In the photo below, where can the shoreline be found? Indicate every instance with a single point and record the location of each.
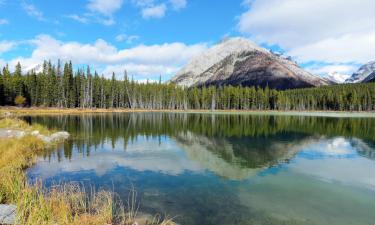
(4, 111)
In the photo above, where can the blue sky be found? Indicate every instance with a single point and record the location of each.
(157, 37)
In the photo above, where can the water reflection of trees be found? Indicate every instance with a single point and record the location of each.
(242, 131)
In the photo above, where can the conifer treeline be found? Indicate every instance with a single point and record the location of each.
(60, 86)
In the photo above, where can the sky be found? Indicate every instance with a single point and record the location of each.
(153, 38)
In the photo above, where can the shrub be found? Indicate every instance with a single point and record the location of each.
(20, 100)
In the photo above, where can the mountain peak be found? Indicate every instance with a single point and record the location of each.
(213, 55)
(239, 61)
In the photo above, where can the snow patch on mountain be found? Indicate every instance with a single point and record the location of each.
(337, 77)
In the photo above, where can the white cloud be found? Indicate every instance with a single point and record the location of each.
(6, 46)
(178, 4)
(322, 30)
(356, 47)
(78, 18)
(142, 60)
(3, 21)
(154, 11)
(127, 38)
(32, 11)
(105, 7)
(332, 68)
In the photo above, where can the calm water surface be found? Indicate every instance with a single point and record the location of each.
(223, 169)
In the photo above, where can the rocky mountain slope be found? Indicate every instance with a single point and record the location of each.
(365, 73)
(238, 61)
(370, 78)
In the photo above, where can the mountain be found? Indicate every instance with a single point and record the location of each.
(365, 73)
(338, 78)
(238, 61)
(370, 78)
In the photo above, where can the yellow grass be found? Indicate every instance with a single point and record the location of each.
(61, 204)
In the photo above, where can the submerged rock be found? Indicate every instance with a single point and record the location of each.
(7, 214)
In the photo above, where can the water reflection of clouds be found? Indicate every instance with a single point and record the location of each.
(336, 160)
(141, 155)
(329, 148)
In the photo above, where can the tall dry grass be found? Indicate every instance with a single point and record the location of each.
(61, 204)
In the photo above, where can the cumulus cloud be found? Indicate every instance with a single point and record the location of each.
(333, 31)
(142, 60)
(355, 47)
(157, 11)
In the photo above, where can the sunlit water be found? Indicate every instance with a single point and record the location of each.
(223, 169)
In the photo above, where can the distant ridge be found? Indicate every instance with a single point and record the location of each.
(365, 73)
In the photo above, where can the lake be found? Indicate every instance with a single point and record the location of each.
(222, 169)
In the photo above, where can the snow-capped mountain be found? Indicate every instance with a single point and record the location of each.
(238, 61)
(337, 77)
(365, 73)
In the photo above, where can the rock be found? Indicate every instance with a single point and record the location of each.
(7, 214)
(59, 136)
(35, 133)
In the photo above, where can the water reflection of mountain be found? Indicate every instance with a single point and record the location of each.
(240, 158)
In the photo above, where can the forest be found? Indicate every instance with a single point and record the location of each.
(62, 86)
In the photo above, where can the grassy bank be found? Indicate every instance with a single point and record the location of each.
(61, 204)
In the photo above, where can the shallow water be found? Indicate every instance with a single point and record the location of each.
(223, 169)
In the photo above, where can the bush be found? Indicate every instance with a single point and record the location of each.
(20, 100)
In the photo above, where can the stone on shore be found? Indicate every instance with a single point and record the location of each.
(7, 214)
